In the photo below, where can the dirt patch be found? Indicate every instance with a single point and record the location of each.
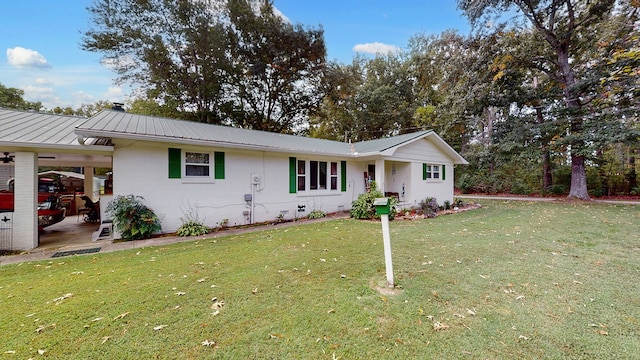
(382, 287)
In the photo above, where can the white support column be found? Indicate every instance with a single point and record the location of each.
(25, 218)
(380, 178)
(88, 183)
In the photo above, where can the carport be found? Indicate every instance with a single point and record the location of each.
(31, 140)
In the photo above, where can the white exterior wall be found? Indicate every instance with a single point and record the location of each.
(417, 189)
(142, 169)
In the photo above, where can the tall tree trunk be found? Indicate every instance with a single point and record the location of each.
(578, 188)
(547, 178)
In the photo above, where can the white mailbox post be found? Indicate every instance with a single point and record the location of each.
(383, 209)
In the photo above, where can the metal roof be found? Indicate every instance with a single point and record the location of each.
(25, 128)
(118, 124)
(388, 143)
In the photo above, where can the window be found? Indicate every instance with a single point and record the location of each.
(302, 177)
(432, 172)
(312, 175)
(191, 164)
(196, 164)
(334, 176)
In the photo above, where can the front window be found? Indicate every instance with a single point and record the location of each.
(319, 175)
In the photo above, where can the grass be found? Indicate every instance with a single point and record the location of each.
(510, 280)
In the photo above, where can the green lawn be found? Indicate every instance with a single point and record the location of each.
(511, 280)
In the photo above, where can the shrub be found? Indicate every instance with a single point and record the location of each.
(132, 218)
(429, 207)
(362, 207)
(192, 228)
(191, 223)
(316, 214)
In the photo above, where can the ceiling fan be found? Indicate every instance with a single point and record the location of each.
(6, 159)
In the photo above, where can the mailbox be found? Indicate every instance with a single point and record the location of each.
(382, 206)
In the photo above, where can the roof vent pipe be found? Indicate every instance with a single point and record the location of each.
(118, 106)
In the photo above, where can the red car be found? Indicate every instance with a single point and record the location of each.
(50, 209)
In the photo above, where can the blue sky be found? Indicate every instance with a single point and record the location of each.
(40, 51)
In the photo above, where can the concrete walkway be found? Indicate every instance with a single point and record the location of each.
(71, 243)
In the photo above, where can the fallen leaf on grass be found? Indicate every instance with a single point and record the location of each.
(42, 328)
(41, 352)
(438, 326)
(330, 311)
(58, 300)
(471, 312)
(180, 293)
(121, 316)
(276, 336)
(217, 304)
(104, 339)
(208, 343)
(254, 291)
(159, 327)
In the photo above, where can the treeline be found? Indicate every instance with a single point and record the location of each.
(542, 97)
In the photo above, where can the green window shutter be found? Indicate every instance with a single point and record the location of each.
(292, 175)
(175, 163)
(218, 163)
(424, 171)
(443, 173)
(343, 176)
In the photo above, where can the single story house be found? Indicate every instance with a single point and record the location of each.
(236, 176)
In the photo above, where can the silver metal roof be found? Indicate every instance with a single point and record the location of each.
(119, 124)
(29, 128)
(388, 143)
(23, 129)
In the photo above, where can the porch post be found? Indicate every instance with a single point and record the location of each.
(88, 183)
(25, 218)
(380, 172)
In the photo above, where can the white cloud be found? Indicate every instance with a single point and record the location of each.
(114, 94)
(376, 48)
(26, 58)
(41, 81)
(44, 94)
(81, 97)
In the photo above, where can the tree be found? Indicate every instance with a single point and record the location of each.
(231, 62)
(369, 99)
(175, 50)
(568, 28)
(278, 68)
(12, 98)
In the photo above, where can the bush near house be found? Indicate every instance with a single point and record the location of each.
(132, 218)
(362, 208)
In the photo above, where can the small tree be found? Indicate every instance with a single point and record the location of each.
(132, 218)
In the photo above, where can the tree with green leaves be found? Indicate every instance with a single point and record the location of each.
(13, 98)
(277, 68)
(569, 29)
(228, 62)
(369, 99)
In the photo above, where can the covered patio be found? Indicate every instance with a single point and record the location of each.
(33, 140)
